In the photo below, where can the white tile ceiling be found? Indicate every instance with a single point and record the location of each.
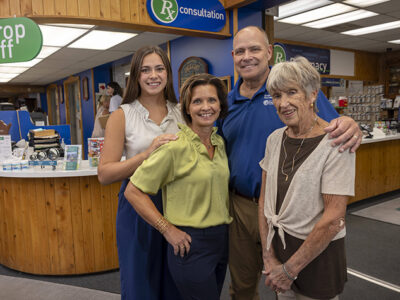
(68, 61)
(374, 42)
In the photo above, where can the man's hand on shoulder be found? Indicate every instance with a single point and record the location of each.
(345, 132)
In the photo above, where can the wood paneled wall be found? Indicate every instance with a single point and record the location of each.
(114, 13)
(58, 226)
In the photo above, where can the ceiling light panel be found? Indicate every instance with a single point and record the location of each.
(375, 28)
(101, 40)
(300, 6)
(47, 51)
(319, 13)
(394, 42)
(7, 75)
(85, 26)
(340, 19)
(27, 64)
(364, 3)
(60, 36)
(12, 70)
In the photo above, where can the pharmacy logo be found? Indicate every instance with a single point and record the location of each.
(279, 53)
(165, 11)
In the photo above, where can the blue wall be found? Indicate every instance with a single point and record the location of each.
(217, 54)
(87, 109)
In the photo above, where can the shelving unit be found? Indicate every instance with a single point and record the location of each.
(393, 85)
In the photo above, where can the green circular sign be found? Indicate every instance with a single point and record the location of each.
(279, 54)
(20, 40)
(165, 11)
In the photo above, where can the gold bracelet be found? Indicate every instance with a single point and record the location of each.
(161, 225)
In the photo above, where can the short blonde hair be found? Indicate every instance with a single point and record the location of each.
(298, 72)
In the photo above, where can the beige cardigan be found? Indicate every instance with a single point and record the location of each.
(325, 171)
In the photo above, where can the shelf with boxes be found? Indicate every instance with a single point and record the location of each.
(363, 107)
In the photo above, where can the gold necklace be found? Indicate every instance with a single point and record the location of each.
(298, 150)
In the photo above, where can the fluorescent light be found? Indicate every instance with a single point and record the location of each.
(299, 6)
(394, 42)
(12, 70)
(364, 3)
(375, 28)
(24, 63)
(101, 40)
(8, 75)
(340, 19)
(319, 13)
(127, 73)
(85, 26)
(60, 36)
(47, 51)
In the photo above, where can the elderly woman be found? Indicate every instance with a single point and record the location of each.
(305, 187)
(193, 174)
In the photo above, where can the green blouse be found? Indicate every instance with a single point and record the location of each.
(195, 187)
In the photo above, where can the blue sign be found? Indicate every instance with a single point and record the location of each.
(319, 58)
(205, 15)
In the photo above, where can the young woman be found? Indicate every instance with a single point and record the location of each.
(193, 174)
(146, 120)
(115, 92)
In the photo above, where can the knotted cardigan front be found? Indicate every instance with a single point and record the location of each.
(325, 171)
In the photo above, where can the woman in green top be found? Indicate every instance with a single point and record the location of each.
(193, 174)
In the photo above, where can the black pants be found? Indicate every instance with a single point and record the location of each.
(200, 274)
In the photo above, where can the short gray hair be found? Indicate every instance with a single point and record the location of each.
(299, 71)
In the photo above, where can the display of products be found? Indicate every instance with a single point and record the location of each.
(95, 145)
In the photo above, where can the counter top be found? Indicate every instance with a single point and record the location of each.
(381, 139)
(84, 170)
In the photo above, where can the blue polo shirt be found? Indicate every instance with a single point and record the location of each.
(246, 129)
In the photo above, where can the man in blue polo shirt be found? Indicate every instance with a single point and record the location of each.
(252, 118)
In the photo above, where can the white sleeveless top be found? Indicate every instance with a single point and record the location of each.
(140, 130)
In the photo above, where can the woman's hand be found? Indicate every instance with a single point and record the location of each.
(275, 277)
(159, 141)
(346, 132)
(178, 239)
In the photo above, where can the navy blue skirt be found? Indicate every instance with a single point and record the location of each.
(142, 253)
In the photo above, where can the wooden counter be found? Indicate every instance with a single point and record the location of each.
(63, 222)
(57, 225)
(377, 167)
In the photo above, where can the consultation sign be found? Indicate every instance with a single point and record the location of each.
(205, 15)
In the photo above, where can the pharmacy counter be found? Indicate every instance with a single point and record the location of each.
(377, 167)
(57, 222)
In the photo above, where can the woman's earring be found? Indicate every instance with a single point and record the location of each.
(312, 104)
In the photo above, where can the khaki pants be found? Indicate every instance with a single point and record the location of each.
(290, 295)
(245, 251)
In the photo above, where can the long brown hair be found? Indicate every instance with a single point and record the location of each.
(133, 89)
